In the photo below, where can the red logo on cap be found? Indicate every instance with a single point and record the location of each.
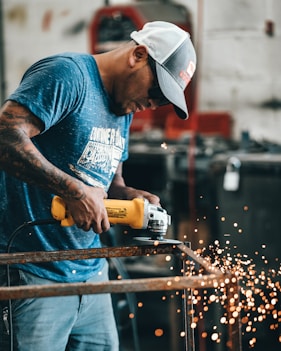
(184, 76)
(191, 68)
(188, 73)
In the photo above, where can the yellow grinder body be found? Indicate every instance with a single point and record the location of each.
(126, 212)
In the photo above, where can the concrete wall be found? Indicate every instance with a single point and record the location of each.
(36, 28)
(239, 65)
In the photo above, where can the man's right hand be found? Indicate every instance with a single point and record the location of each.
(89, 211)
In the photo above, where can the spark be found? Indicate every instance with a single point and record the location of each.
(259, 294)
(168, 258)
(159, 332)
(215, 336)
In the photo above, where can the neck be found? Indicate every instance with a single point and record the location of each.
(112, 65)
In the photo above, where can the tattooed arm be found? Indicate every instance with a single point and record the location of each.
(20, 158)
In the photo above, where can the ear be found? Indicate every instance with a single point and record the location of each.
(138, 54)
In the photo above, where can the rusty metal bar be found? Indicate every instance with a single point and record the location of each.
(234, 342)
(204, 263)
(113, 286)
(189, 309)
(104, 252)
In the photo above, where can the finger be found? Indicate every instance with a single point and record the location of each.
(84, 226)
(97, 227)
(153, 199)
(105, 225)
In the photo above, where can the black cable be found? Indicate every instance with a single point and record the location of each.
(2, 56)
(9, 245)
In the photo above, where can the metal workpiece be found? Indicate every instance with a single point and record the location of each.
(234, 341)
(113, 286)
(83, 254)
(211, 277)
(118, 286)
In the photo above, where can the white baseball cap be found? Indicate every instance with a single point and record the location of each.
(175, 58)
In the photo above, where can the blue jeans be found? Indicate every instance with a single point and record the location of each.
(63, 323)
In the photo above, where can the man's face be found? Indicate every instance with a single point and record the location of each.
(139, 91)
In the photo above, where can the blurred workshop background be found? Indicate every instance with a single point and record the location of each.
(218, 173)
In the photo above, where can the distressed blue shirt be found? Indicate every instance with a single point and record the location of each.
(83, 138)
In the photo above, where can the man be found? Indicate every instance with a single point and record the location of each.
(64, 131)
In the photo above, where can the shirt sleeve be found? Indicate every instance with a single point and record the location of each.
(50, 89)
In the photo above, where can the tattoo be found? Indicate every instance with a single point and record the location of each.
(16, 115)
(20, 158)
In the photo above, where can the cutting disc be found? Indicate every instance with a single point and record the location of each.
(149, 240)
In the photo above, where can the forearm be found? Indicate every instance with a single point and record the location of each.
(119, 190)
(20, 158)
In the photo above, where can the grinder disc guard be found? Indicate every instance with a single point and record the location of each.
(156, 241)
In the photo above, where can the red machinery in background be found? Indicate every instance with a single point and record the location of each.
(112, 25)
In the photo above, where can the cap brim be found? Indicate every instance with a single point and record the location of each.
(172, 91)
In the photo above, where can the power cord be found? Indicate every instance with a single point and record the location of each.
(9, 321)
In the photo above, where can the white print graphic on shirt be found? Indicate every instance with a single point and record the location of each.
(101, 156)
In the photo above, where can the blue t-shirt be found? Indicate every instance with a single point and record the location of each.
(83, 138)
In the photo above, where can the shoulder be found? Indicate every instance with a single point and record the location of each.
(61, 63)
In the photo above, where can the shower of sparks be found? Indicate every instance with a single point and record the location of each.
(257, 306)
(258, 301)
(259, 290)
